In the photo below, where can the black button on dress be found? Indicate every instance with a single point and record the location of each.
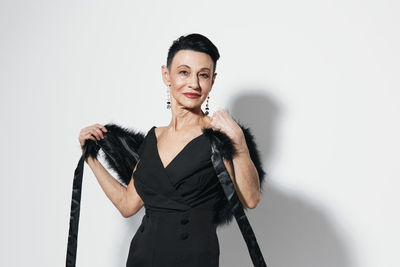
(180, 200)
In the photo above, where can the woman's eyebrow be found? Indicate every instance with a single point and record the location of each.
(204, 68)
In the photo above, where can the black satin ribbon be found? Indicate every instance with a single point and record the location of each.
(235, 205)
(75, 211)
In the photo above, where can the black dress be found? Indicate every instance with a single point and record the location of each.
(180, 200)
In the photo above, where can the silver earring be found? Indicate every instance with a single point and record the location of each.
(168, 98)
(208, 97)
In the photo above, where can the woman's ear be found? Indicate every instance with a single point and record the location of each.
(165, 75)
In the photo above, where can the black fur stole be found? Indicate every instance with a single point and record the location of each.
(120, 146)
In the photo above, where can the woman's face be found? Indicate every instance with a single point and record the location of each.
(191, 72)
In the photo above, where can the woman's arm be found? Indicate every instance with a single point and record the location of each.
(244, 175)
(243, 172)
(133, 202)
(126, 200)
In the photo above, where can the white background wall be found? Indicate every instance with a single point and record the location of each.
(317, 81)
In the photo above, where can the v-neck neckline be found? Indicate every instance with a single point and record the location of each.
(178, 154)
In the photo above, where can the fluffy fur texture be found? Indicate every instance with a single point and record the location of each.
(120, 147)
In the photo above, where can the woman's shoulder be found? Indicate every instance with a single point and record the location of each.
(158, 129)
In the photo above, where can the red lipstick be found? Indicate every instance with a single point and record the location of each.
(191, 95)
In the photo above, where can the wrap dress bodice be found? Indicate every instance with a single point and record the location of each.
(180, 200)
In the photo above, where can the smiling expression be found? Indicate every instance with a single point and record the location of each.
(191, 78)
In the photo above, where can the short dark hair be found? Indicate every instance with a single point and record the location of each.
(195, 42)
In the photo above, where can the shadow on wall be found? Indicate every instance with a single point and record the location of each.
(291, 232)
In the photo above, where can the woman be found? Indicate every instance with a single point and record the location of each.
(174, 178)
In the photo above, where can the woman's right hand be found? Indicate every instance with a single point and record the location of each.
(93, 132)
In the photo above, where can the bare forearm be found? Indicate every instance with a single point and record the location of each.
(246, 175)
(111, 187)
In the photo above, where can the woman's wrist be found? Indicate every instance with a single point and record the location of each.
(90, 160)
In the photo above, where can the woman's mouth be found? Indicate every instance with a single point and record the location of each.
(191, 95)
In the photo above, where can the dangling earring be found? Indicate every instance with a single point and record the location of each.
(168, 98)
(208, 97)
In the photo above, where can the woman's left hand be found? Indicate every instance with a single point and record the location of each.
(222, 120)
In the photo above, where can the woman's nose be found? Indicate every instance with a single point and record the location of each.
(194, 81)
